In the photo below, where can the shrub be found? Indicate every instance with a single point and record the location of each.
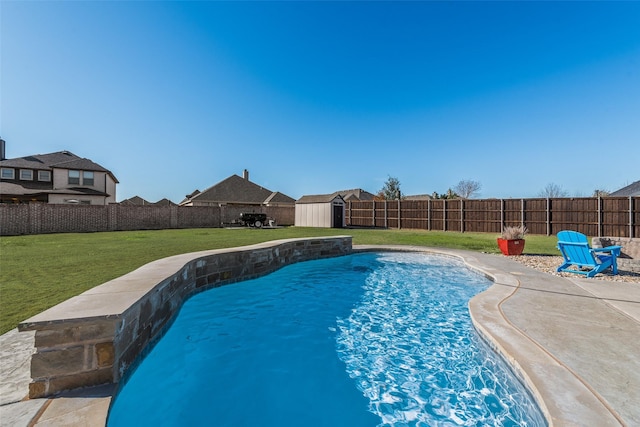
(514, 232)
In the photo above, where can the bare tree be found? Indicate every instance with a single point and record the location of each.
(552, 191)
(391, 189)
(600, 193)
(467, 188)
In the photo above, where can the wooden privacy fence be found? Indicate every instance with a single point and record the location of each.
(595, 216)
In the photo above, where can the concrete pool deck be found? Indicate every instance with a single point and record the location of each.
(575, 341)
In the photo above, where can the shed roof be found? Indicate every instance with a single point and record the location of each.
(345, 195)
(319, 198)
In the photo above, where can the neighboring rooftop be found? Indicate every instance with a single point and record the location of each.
(237, 190)
(139, 201)
(629, 190)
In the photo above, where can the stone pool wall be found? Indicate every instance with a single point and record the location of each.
(629, 258)
(95, 337)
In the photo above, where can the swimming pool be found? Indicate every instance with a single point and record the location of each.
(362, 340)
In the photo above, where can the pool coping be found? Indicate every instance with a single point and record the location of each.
(563, 395)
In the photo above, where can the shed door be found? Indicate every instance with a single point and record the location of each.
(337, 216)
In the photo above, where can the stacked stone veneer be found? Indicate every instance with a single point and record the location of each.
(629, 259)
(95, 337)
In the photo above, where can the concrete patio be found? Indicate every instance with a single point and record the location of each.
(574, 341)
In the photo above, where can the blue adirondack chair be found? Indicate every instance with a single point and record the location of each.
(589, 261)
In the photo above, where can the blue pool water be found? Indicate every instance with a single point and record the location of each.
(361, 340)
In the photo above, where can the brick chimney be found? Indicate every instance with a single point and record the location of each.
(245, 174)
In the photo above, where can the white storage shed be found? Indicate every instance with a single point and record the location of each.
(325, 210)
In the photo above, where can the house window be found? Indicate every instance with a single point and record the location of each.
(44, 176)
(87, 178)
(7, 173)
(26, 174)
(74, 177)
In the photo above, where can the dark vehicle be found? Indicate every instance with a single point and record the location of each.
(253, 219)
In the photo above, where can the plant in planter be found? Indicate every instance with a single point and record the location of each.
(511, 242)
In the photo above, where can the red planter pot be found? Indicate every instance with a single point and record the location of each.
(511, 247)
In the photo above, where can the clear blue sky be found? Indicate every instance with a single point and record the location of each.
(315, 97)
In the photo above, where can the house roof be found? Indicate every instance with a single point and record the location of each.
(236, 189)
(630, 190)
(164, 202)
(135, 201)
(278, 197)
(57, 160)
(139, 201)
(9, 188)
(79, 190)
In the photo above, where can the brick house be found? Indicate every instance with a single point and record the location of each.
(56, 178)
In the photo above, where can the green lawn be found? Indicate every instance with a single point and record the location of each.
(40, 271)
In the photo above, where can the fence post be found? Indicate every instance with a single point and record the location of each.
(501, 215)
(35, 217)
(373, 215)
(444, 215)
(429, 214)
(462, 215)
(399, 216)
(173, 216)
(386, 216)
(522, 212)
(113, 214)
(630, 217)
(599, 216)
(548, 217)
